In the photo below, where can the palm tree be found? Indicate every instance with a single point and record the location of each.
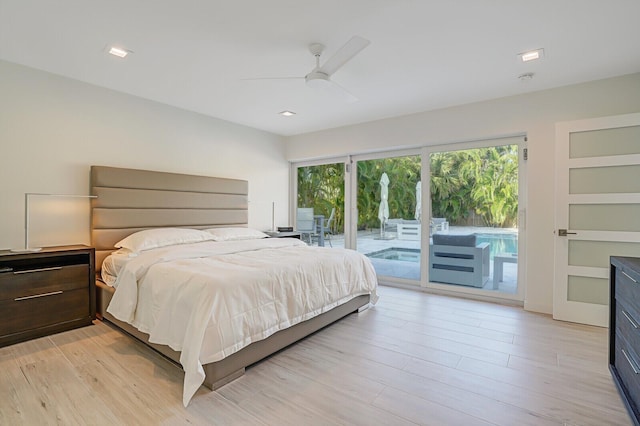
(483, 181)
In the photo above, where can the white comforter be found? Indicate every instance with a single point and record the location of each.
(211, 299)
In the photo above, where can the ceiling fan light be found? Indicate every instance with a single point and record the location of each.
(317, 80)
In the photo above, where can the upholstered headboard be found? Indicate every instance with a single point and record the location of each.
(131, 200)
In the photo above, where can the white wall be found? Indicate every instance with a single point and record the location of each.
(52, 129)
(534, 114)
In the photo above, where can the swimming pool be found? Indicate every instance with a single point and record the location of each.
(397, 253)
(498, 243)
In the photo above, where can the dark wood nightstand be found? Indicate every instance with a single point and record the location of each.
(292, 234)
(46, 292)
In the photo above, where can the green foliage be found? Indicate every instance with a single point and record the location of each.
(404, 174)
(322, 187)
(483, 181)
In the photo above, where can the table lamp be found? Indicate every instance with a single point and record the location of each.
(27, 197)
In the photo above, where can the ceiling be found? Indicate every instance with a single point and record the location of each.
(424, 54)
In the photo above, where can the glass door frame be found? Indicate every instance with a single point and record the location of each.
(521, 141)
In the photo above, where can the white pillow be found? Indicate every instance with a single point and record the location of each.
(234, 234)
(161, 237)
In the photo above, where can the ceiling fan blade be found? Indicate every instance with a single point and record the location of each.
(273, 78)
(339, 91)
(345, 54)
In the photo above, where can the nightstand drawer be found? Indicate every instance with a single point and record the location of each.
(28, 313)
(30, 282)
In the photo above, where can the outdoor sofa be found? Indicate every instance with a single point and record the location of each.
(457, 259)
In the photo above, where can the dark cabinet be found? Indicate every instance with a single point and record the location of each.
(45, 292)
(624, 331)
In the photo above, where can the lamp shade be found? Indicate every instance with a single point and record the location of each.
(27, 200)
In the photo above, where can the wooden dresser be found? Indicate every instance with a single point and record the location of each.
(45, 292)
(624, 331)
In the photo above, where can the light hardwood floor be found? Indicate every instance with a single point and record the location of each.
(415, 358)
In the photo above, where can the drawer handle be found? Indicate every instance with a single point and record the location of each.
(55, 268)
(631, 363)
(631, 278)
(35, 296)
(633, 323)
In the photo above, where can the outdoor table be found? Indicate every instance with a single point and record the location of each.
(498, 262)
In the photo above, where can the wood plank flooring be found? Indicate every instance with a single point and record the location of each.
(414, 358)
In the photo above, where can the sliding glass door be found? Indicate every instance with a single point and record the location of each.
(389, 219)
(443, 217)
(474, 196)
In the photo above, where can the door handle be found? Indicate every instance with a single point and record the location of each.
(564, 233)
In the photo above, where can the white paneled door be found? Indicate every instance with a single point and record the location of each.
(597, 211)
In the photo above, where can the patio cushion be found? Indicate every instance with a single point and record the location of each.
(454, 240)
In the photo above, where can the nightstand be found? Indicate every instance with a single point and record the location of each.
(292, 234)
(46, 292)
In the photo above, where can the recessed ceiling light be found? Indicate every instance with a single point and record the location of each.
(287, 113)
(531, 55)
(119, 52)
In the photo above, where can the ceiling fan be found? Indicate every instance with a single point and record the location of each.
(320, 76)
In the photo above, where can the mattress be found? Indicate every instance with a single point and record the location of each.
(210, 299)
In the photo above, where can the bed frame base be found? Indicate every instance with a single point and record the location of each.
(221, 372)
(220, 383)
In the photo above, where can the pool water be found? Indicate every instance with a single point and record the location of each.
(498, 243)
(397, 253)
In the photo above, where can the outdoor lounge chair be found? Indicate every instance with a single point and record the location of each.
(456, 259)
(408, 229)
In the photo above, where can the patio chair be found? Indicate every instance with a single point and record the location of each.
(327, 226)
(409, 229)
(457, 259)
(439, 224)
(305, 224)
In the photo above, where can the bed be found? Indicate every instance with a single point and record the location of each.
(131, 203)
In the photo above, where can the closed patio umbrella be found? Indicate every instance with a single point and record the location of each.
(383, 210)
(418, 200)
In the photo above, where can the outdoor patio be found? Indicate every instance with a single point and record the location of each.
(407, 265)
(390, 192)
